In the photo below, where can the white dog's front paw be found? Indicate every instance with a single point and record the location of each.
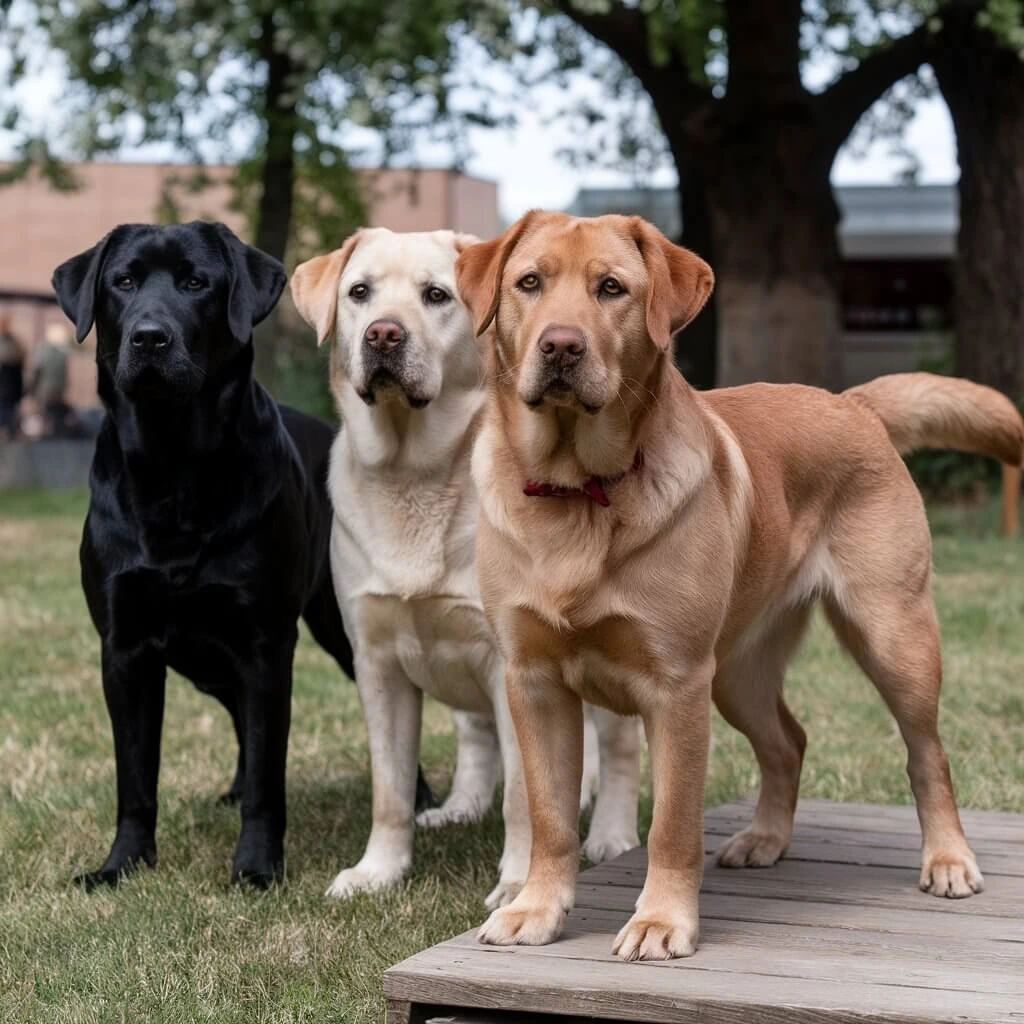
(609, 845)
(363, 878)
(458, 809)
(504, 893)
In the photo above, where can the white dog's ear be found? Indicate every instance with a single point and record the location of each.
(315, 288)
(463, 241)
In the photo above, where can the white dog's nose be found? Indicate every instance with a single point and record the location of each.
(385, 335)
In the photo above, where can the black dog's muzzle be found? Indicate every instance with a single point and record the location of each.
(148, 337)
(153, 359)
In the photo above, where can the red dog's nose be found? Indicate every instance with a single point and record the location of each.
(385, 335)
(563, 345)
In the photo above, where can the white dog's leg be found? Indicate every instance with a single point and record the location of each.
(613, 826)
(476, 772)
(392, 707)
(515, 857)
(591, 759)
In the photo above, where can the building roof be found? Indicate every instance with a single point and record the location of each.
(878, 221)
(898, 220)
(42, 227)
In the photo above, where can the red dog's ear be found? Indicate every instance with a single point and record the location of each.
(478, 272)
(315, 288)
(679, 282)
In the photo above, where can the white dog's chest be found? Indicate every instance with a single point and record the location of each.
(443, 646)
(409, 541)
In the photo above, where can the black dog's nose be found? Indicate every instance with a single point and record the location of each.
(564, 346)
(385, 335)
(150, 336)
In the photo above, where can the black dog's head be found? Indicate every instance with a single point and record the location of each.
(172, 305)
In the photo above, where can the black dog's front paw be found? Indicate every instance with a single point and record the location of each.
(258, 863)
(115, 871)
(257, 875)
(258, 878)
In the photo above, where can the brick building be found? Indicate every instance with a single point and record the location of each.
(39, 227)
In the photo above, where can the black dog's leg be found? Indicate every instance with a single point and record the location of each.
(265, 703)
(133, 685)
(425, 798)
(229, 698)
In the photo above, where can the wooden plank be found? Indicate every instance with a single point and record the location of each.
(677, 991)
(1010, 522)
(463, 1016)
(735, 949)
(978, 950)
(869, 815)
(397, 1011)
(878, 918)
(869, 855)
(836, 816)
(873, 812)
(833, 840)
(842, 855)
(835, 883)
(837, 932)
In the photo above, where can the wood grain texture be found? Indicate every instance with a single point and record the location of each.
(837, 932)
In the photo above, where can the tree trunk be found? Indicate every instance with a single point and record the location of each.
(696, 347)
(776, 255)
(766, 162)
(760, 159)
(274, 214)
(983, 84)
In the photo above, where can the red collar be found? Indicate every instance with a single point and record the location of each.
(593, 487)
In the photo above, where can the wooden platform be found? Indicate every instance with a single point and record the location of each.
(837, 931)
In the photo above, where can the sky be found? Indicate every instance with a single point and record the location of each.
(524, 162)
(528, 173)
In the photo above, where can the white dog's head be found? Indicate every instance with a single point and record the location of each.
(389, 300)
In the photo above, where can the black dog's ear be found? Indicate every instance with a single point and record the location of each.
(257, 281)
(75, 282)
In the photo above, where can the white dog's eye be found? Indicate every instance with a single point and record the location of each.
(434, 296)
(359, 291)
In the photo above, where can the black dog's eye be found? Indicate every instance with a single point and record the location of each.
(193, 284)
(435, 296)
(611, 287)
(124, 282)
(528, 283)
(359, 291)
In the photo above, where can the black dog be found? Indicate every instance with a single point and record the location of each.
(208, 529)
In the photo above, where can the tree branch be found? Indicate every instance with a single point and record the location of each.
(841, 105)
(624, 31)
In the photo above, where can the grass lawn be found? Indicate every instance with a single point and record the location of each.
(181, 945)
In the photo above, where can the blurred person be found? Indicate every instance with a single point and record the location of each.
(12, 379)
(50, 379)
